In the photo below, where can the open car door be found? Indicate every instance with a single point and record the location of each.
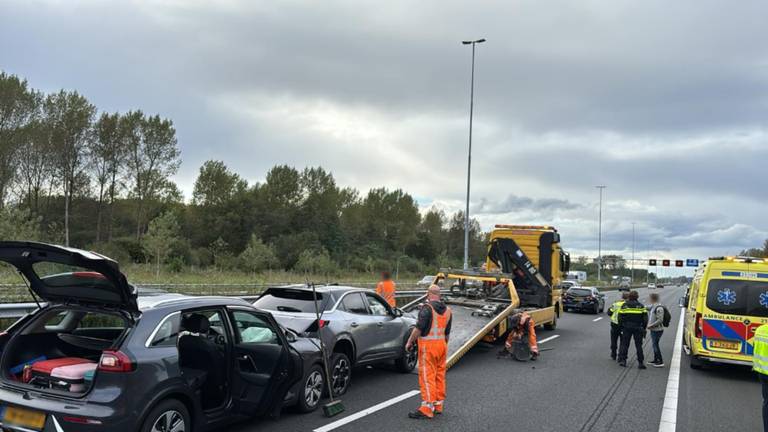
(265, 367)
(59, 274)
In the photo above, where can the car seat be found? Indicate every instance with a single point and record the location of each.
(201, 360)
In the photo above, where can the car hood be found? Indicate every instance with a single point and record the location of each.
(59, 274)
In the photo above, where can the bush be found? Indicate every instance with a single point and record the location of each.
(257, 256)
(132, 247)
(111, 250)
(318, 262)
(175, 264)
(201, 257)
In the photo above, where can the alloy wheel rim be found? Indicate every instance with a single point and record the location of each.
(340, 376)
(411, 358)
(313, 388)
(169, 421)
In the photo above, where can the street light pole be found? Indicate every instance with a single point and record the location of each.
(469, 154)
(632, 277)
(600, 236)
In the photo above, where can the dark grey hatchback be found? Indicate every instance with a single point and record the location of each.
(97, 357)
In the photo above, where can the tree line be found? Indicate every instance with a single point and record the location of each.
(73, 175)
(756, 252)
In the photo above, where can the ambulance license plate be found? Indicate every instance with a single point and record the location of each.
(722, 344)
(24, 418)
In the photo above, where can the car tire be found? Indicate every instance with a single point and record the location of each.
(407, 362)
(170, 412)
(312, 390)
(341, 373)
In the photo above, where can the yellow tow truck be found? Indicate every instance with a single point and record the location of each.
(523, 270)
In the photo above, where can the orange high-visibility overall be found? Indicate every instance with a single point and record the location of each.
(386, 289)
(516, 334)
(433, 354)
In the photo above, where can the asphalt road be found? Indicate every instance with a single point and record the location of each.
(575, 386)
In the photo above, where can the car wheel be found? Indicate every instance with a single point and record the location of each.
(169, 415)
(407, 362)
(312, 391)
(341, 374)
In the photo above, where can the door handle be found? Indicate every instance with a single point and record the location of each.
(354, 324)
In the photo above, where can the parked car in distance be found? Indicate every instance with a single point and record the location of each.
(426, 281)
(651, 285)
(624, 286)
(566, 284)
(119, 362)
(357, 326)
(660, 286)
(584, 299)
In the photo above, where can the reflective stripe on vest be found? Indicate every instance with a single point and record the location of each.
(633, 311)
(439, 324)
(615, 308)
(760, 352)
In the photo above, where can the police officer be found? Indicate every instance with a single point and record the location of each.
(760, 365)
(633, 320)
(432, 332)
(613, 311)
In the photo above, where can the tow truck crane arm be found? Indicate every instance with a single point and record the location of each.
(510, 258)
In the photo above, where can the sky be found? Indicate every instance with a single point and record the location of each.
(665, 103)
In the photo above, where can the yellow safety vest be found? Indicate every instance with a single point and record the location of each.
(760, 350)
(615, 311)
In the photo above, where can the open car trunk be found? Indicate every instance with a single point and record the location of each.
(60, 349)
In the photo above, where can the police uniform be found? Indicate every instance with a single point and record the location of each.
(633, 320)
(760, 365)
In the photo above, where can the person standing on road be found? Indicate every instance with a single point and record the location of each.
(760, 365)
(613, 311)
(633, 320)
(432, 331)
(656, 327)
(386, 288)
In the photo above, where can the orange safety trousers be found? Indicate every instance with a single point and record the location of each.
(386, 289)
(433, 355)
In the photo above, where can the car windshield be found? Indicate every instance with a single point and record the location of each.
(580, 291)
(292, 300)
(738, 297)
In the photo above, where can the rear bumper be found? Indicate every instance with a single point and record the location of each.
(580, 305)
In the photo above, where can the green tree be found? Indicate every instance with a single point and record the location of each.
(162, 234)
(108, 152)
(258, 256)
(19, 224)
(216, 185)
(316, 262)
(153, 157)
(71, 117)
(18, 106)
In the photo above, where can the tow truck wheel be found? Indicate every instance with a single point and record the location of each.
(551, 325)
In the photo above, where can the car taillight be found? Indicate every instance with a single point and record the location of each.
(322, 323)
(115, 361)
(699, 326)
(81, 420)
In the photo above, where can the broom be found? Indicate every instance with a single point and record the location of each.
(334, 407)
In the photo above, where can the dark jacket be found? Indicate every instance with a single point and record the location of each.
(425, 317)
(633, 315)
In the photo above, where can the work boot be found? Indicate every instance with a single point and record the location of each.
(623, 363)
(658, 364)
(438, 409)
(641, 366)
(418, 415)
(613, 356)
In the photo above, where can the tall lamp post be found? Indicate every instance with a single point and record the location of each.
(469, 154)
(600, 236)
(632, 277)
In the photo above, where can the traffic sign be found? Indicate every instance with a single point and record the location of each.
(678, 263)
(665, 263)
(652, 263)
(692, 262)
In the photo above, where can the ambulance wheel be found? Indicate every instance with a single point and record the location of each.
(169, 415)
(695, 362)
(551, 325)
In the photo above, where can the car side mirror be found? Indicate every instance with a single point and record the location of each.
(289, 336)
(397, 312)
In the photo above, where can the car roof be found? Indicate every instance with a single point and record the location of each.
(335, 290)
(176, 301)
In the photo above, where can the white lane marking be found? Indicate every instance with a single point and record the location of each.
(367, 411)
(549, 339)
(597, 319)
(668, 422)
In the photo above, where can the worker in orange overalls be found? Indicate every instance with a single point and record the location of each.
(522, 334)
(386, 288)
(432, 331)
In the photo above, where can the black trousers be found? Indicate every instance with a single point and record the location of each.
(628, 333)
(764, 382)
(615, 333)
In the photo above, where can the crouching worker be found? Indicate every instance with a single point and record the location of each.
(521, 342)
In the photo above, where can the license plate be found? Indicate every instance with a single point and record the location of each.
(24, 418)
(721, 344)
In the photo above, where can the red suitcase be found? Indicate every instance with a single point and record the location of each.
(41, 371)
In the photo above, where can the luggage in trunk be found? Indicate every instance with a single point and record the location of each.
(66, 373)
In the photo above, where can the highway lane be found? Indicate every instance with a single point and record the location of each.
(575, 386)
